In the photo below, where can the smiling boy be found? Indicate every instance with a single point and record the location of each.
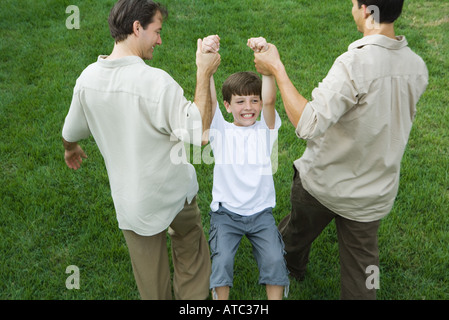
(243, 188)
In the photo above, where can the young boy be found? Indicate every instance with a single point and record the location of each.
(243, 188)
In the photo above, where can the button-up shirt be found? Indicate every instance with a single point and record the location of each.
(139, 118)
(357, 125)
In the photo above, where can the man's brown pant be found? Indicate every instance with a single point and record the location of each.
(190, 256)
(357, 242)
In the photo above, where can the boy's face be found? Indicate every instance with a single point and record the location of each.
(245, 109)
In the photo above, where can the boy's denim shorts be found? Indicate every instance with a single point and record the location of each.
(226, 231)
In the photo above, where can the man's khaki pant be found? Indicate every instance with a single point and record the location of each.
(190, 255)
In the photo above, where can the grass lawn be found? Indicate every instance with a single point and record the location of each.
(52, 217)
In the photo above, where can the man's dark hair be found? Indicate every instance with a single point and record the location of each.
(389, 10)
(125, 12)
(244, 83)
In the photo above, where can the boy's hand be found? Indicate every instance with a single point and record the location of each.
(211, 44)
(258, 44)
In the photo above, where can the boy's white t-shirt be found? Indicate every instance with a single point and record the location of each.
(243, 179)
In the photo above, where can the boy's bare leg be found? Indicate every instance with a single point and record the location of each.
(274, 292)
(220, 293)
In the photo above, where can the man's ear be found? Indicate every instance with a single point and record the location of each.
(366, 11)
(136, 27)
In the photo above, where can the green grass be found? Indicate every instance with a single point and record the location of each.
(51, 217)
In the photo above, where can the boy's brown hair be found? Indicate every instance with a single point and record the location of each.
(244, 83)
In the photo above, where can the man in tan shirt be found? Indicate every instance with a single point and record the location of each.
(137, 115)
(357, 126)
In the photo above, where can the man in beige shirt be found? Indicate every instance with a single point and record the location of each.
(137, 115)
(357, 126)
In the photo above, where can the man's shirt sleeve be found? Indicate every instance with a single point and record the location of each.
(335, 96)
(75, 127)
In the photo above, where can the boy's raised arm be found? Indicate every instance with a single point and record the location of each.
(269, 63)
(268, 84)
(213, 95)
(269, 100)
